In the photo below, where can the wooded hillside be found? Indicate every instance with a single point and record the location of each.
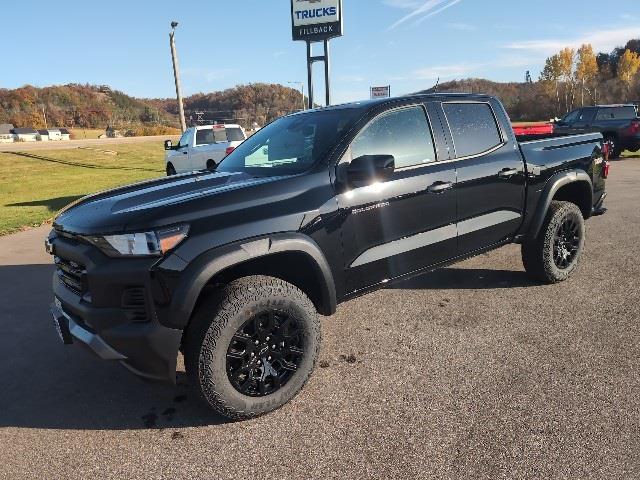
(90, 106)
(571, 78)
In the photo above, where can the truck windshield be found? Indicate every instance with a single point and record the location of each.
(290, 145)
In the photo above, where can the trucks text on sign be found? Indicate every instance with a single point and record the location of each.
(316, 20)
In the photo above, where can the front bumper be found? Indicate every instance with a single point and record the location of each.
(147, 349)
(91, 304)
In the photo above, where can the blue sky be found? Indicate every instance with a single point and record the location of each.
(405, 43)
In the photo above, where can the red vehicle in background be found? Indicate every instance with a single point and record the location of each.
(533, 129)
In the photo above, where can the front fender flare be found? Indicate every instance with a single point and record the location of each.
(555, 183)
(214, 261)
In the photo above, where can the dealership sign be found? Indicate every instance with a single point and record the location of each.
(380, 92)
(316, 20)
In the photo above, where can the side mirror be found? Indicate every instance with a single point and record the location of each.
(168, 144)
(368, 169)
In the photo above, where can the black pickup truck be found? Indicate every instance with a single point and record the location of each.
(619, 125)
(232, 267)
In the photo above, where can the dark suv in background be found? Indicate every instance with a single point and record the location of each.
(619, 125)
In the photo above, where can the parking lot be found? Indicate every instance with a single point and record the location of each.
(469, 372)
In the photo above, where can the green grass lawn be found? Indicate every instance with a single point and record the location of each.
(35, 185)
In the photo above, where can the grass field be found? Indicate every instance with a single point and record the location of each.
(35, 185)
(86, 133)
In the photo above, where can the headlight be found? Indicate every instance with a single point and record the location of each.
(144, 244)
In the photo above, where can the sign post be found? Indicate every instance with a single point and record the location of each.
(317, 21)
(380, 92)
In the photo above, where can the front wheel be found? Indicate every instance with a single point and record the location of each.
(252, 346)
(554, 254)
(170, 170)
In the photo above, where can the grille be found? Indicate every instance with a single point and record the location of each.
(72, 275)
(134, 303)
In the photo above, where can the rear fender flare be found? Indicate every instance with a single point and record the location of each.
(555, 183)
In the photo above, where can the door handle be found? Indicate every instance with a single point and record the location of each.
(507, 173)
(439, 187)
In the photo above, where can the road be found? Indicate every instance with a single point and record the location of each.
(470, 372)
(101, 142)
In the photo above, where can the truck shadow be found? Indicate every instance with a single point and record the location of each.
(45, 384)
(33, 156)
(466, 279)
(52, 204)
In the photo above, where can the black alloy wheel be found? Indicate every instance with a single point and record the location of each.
(264, 353)
(566, 242)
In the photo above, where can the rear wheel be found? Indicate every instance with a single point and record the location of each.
(211, 165)
(252, 347)
(554, 254)
(614, 146)
(170, 170)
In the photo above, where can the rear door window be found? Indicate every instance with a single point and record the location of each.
(404, 133)
(616, 113)
(473, 128)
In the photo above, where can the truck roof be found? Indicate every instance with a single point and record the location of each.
(366, 104)
(616, 105)
(218, 125)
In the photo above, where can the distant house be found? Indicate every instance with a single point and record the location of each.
(65, 134)
(43, 135)
(25, 134)
(5, 133)
(54, 134)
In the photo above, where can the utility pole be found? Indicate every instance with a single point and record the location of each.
(301, 90)
(44, 114)
(176, 74)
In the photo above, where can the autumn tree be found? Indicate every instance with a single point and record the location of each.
(550, 78)
(587, 72)
(628, 67)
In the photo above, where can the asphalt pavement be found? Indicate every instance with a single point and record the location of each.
(471, 372)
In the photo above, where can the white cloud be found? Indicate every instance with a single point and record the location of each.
(603, 40)
(278, 54)
(420, 11)
(435, 12)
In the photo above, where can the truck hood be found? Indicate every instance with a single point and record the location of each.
(152, 203)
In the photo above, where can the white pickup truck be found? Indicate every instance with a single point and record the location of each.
(202, 147)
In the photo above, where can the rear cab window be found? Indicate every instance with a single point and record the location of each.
(403, 133)
(235, 134)
(473, 127)
(204, 137)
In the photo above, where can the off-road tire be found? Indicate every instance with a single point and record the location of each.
(538, 253)
(170, 170)
(215, 322)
